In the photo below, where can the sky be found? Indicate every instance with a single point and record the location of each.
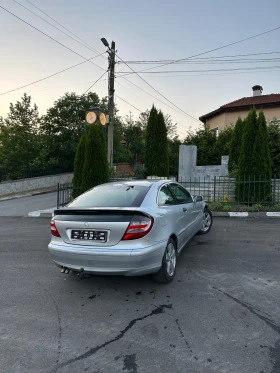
(218, 65)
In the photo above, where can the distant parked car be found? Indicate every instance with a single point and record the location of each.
(128, 228)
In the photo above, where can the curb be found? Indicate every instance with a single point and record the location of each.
(247, 214)
(48, 214)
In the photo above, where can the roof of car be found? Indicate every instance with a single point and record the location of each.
(145, 182)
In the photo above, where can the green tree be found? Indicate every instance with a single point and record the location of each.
(245, 161)
(274, 146)
(156, 150)
(63, 126)
(79, 166)
(135, 142)
(254, 166)
(261, 165)
(121, 153)
(261, 153)
(95, 168)
(223, 142)
(19, 138)
(235, 145)
(205, 140)
(173, 151)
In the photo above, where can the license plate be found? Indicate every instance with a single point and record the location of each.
(88, 235)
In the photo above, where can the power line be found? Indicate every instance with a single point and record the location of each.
(49, 76)
(157, 99)
(209, 74)
(198, 59)
(180, 124)
(50, 37)
(190, 116)
(213, 50)
(85, 43)
(257, 68)
(57, 28)
(95, 82)
(129, 103)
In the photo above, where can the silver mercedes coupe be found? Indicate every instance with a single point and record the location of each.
(128, 228)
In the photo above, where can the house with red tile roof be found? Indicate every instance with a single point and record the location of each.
(228, 114)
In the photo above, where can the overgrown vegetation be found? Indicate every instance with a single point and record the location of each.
(227, 207)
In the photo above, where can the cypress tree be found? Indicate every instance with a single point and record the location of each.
(79, 166)
(254, 165)
(95, 169)
(163, 159)
(235, 145)
(245, 161)
(261, 162)
(151, 140)
(244, 190)
(156, 147)
(261, 153)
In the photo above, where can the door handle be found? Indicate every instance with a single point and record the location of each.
(184, 209)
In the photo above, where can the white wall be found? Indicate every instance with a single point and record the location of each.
(25, 185)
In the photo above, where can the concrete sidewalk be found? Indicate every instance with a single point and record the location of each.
(48, 213)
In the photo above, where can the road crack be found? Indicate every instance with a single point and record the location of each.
(92, 351)
(253, 310)
(182, 334)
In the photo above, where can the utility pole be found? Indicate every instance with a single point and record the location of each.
(111, 90)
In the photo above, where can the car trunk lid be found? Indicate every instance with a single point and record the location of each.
(94, 226)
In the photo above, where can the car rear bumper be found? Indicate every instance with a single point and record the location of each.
(110, 261)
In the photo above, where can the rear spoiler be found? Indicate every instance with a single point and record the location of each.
(97, 211)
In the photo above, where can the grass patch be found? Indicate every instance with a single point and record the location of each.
(228, 207)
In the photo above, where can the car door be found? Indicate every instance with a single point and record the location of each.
(190, 209)
(174, 214)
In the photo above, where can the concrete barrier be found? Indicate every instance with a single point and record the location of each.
(31, 184)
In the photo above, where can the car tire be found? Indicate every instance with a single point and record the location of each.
(207, 221)
(168, 268)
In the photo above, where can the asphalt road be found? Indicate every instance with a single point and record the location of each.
(221, 314)
(22, 206)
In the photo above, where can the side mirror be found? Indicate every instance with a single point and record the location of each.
(198, 199)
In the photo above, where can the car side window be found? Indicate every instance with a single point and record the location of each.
(182, 195)
(165, 197)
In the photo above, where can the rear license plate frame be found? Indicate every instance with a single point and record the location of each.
(89, 235)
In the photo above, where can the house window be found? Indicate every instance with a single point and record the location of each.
(215, 131)
(275, 121)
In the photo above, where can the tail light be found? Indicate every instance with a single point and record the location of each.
(139, 227)
(54, 231)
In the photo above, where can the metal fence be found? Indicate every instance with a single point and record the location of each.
(247, 191)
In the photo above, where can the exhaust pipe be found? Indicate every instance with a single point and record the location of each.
(68, 270)
(65, 270)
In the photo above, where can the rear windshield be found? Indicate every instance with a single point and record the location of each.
(117, 195)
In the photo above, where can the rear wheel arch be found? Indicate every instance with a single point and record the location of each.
(174, 238)
(168, 267)
(207, 221)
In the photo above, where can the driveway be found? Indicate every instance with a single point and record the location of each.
(221, 314)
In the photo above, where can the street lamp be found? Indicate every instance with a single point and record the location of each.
(105, 42)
